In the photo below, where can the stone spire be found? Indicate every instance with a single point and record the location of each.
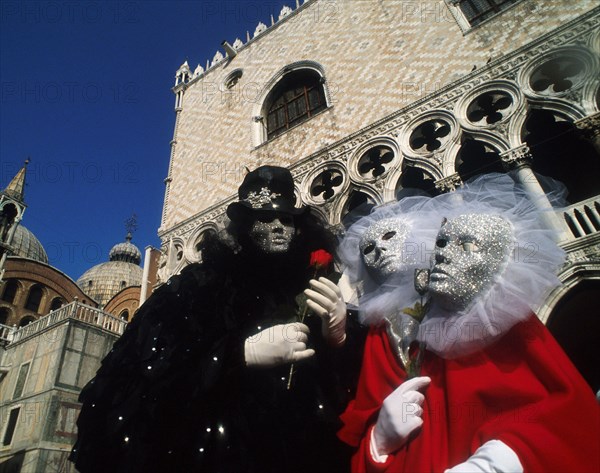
(16, 188)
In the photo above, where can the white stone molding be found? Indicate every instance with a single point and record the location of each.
(504, 88)
(532, 71)
(433, 167)
(516, 157)
(259, 29)
(589, 126)
(391, 181)
(190, 252)
(218, 57)
(593, 41)
(491, 138)
(439, 119)
(449, 184)
(563, 111)
(310, 182)
(198, 71)
(359, 153)
(338, 208)
(231, 79)
(237, 44)
(285, 11)
(591, 96)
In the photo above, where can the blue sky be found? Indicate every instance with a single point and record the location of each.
(85, 92)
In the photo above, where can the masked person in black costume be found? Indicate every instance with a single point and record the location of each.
(199, 380)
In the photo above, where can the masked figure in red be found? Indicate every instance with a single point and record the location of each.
(482, 386)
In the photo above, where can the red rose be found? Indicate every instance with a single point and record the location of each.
(320, 259)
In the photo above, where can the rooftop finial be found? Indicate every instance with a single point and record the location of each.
(131, 226)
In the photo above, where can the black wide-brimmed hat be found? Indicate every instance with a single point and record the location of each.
(266, 189)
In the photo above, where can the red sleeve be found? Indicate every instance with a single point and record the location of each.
(558, 428)
(362, 461)
(380, 375)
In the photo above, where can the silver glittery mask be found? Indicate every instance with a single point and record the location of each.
(382, 248)
(471, 250)
(273, 233)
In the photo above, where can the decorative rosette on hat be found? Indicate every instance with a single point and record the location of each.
(266, 189)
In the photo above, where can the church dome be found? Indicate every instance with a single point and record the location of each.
(104, 280)
(26, 245)
(126, 251)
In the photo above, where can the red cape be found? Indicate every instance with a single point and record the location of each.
(522, 390)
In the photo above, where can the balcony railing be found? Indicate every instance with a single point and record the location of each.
(6, 333)
(74, 310)
(583, 218)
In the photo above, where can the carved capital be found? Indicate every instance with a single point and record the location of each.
(449, 184)
(516, 157)
(589, 126)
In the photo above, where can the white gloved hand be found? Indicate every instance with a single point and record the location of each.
(399, 417)
(278, 345)
(325, 299)
(493, 455)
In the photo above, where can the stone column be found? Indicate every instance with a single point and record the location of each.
(589, 128)
(519, 160)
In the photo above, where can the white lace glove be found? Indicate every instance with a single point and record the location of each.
(325, 300)
(278, 345)
(399, 417)
(493, 455)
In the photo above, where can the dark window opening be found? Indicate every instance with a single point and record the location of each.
(57, 303)
(560, 151)
(298, 97)
(475, 158)
(358, 205)
(26, 320)
(10, 291)
(477, 11)
(125, 315)
(12, 424)
(34, 299)
(4, 313)
(21, 378)
(414, 181)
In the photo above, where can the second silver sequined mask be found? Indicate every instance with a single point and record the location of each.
(383, 248)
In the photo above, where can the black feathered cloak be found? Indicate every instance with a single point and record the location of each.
(174, 394)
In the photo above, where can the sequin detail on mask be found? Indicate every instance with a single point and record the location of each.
(274, 236)
(471, 251)
(383, 248)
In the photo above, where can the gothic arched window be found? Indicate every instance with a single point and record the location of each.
(10, 291)
(26, 320)
(295, 99)
(4, 315)
(34, 298)
(56, 304)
